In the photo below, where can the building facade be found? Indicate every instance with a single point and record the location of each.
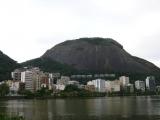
(99, 85)
(140, 85)
(124, 81)
(16, 75)
(150, 84)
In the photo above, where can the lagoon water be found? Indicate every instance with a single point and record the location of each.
(107, 108)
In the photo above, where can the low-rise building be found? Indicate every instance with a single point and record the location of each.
(108, 86)
(90, 83)
(72, 82)
(158, 89)
(130, 88)
(112, 86)
(81, 86)
(21, 86)
(89, 76)
(63, 81)
(13, 86)
(60, 87)
(90, 88)
(116, 86)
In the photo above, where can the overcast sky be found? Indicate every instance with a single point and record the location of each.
(29, 27)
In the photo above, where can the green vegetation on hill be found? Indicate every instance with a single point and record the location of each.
(4, 89)
(48, 65)
(7, 65)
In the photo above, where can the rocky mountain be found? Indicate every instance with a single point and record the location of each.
(7, 65)
(100, 55)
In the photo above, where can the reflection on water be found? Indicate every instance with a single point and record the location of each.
(110, 108)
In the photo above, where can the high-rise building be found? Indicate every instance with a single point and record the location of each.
(99, 85)
(32, 79)
(27, 78)
(150, 83)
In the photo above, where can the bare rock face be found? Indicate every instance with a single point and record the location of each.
(98, 54)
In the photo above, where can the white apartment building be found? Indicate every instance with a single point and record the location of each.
(89, 83)
(124, 81)
(140, 85)
(99, 85)
(27, 78)
(34, 79)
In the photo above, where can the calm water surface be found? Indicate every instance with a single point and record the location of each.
(107, 108)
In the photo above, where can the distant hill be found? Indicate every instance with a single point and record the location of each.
(92, 55)
(85, 56)
(7, 65)
(99, 55)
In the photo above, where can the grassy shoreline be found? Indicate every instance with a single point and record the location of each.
(6, 117)
(65, 97)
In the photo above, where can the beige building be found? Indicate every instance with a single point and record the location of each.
(13, 86)
(63, 81)
(112, 86)
(90, 88)
(34, 79)
(99, 85)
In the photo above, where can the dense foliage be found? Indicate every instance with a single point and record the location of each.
(6, 117)
(4, 89)
(71, 88)
(7, 65)
(48, 65)
(74, 91)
